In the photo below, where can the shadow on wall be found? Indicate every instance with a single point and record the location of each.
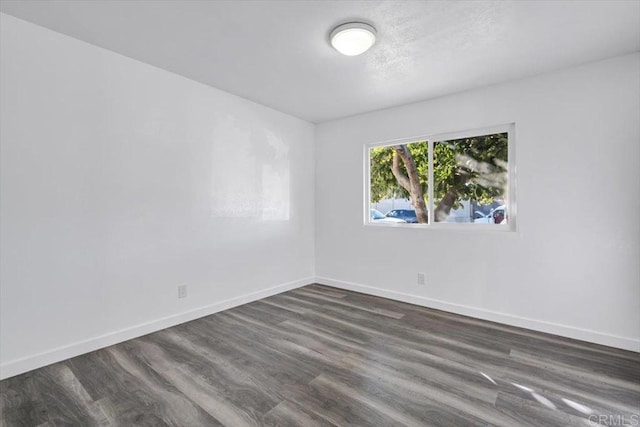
(250, 173)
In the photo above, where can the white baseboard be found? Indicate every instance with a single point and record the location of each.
(19, 366)
(479, 313)
(25, 364)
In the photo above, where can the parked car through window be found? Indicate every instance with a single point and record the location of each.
(407, 215)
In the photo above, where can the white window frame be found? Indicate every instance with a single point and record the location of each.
(511, 185)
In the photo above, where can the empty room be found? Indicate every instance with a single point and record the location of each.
(319, 213)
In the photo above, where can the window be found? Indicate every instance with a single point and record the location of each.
(462, 178)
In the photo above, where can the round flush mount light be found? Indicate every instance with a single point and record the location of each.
(353, 38)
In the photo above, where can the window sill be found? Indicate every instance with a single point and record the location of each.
(500, 228)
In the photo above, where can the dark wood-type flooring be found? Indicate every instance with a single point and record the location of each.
(323, 356)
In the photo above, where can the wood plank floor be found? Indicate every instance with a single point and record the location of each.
(322, 356)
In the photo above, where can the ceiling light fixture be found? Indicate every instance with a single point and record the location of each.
(353, 38)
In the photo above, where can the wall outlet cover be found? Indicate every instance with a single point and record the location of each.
(182, 291)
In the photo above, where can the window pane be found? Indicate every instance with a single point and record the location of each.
(470, 178)
(399, 176)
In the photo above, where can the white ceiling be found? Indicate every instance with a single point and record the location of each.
(277, 52)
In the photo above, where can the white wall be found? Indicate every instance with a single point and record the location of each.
(120, 181)
(571, 268)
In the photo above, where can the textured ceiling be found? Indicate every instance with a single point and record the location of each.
(277, 52)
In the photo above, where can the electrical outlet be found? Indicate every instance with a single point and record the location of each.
(182, 291)
(422, 279)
